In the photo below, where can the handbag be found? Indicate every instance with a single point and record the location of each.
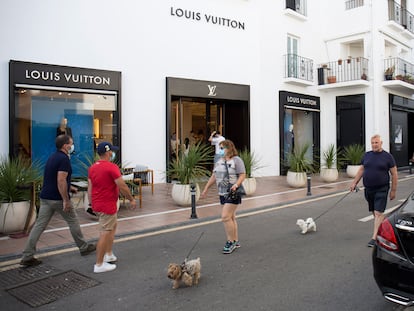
(234, 195)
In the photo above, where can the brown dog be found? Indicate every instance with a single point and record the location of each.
(189, 272)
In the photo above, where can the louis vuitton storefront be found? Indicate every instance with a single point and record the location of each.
(46, 100)
(299, 124)
(196, 108)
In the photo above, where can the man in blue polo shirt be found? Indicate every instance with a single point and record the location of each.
(377, 165)
(55, 197)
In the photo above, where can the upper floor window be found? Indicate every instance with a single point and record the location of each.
(298, 6)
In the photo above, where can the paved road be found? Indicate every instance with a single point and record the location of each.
(276, 268)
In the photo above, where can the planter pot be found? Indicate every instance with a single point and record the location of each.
(296, 180)
(331, 79)
(351, 170)
(388, 77)
(181, 194)
(329, 174)
(249, 185)
(13, 216)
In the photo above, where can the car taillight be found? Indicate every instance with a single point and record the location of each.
(386, 236)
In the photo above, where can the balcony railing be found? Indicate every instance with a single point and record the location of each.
(298, 6)
(298, 67)
(352, 4)
(398, 69)
(400, 15)
(343, 70)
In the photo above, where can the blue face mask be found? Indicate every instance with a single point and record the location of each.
(113, 156)
(221, 152)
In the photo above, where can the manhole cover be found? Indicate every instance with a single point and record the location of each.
(10, 278)
(49, 289)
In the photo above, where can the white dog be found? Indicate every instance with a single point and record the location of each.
(307, 225)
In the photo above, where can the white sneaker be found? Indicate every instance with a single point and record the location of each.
(110, 258)
(105, 267)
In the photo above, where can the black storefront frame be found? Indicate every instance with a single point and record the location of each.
(180, 87)
(397, 106)
(303, 102)
(48, 76)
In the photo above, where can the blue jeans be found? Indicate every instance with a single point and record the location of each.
(46, 211)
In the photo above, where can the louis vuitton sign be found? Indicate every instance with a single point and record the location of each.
(63, 76)
(207, 18)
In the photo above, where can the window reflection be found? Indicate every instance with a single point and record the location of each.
(40, 115)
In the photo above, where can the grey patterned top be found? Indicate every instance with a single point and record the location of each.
(235, 166)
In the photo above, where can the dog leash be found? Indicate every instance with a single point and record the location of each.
(337, 202)
(193, 246)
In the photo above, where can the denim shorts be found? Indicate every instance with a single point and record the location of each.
(377, 198)
(224, 200)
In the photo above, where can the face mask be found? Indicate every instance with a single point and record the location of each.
(221, 152)
(71, 149)
(113, 156)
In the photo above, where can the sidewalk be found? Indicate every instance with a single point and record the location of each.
(159, 211)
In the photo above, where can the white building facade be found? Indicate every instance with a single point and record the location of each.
(147, 75)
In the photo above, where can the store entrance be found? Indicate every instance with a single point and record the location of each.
(193, 119)
(350, 120)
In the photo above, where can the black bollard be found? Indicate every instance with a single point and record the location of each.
(411, 167)
(309, 184)
(193, 201)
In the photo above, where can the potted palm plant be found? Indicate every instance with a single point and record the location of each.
(353, 156)
(251, 163)
(18, 177)
(299, 165)
(329, 168)
(188, 168)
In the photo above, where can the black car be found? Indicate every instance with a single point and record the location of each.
(393, 255)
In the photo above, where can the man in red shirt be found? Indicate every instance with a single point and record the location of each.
(104, 184)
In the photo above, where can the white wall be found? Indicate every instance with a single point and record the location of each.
(144, 41)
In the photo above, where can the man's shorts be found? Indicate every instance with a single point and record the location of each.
(377, 198)
(107, 222)
(224, 200)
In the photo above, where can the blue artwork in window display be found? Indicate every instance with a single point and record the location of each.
(46, 117)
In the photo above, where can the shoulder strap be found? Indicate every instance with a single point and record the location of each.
(227, 169)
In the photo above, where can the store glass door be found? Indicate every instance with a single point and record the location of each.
(192, 121)
(298, 130)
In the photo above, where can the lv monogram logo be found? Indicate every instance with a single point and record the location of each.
(212, 90)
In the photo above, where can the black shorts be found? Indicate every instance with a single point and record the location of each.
(224, 200)
(377, 198)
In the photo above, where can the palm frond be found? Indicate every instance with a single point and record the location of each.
(188, 168)
(298, 162)
(17, 176)
(251, 161)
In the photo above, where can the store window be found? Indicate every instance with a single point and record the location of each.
(299, 125)
(47, 100)
(41, 115)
